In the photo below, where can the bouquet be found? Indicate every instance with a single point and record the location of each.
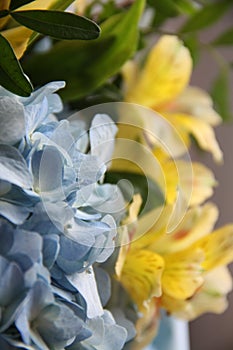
(105, 221)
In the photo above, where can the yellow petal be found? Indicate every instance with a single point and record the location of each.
(141, 275)
(147, 325)
(197, 183)
(133, 211)
(197, 103)
(165, 74)
(218, 247)
(183, 273)
(18, 38)
(210, 298)
(4, 5)
(151, 227)
(202, 185)
(197, 223)
(39, 4)
(203, 132)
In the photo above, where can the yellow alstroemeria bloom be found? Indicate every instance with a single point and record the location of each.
(175, 267)
(161, 84)
(211, 297)
(194, 179)
(196, 187)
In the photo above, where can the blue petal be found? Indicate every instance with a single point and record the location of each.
(13, 167)
(26, 248)
(58, 325)
(38, 95)
(6, 237)
(12, 121)
(50, 250)
(14, 213)
(11, 282)
(102, 137)
(47, 168)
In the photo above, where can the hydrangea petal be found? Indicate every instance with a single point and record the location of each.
(13, 167)
(102, 137)
(47, 168)
(14, 213)
(85, 283)
(58, 325)
(12, 121)
(38, 95)
(50, 250)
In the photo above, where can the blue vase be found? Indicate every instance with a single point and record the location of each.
(173, 334)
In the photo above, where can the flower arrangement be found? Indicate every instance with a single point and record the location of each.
(104, 218)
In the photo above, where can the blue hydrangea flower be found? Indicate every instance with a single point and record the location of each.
(57, 220)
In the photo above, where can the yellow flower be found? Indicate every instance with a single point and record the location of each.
(162, 85)
(179, 269)
(211, 297)
(196, 187)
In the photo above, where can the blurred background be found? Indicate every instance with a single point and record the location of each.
(215, 332)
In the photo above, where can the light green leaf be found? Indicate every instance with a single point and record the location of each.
(12, 77)
(87, 65)
(208, 15)
(57, 24)
(225, 38)
(185, 6)
(221, 93)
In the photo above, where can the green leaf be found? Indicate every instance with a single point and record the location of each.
(225, 38)
(221, 93)
(4, 13)
(192, 43)
(171, 8)
(59, 25)
(12, 77)
(165, 7)
(85, 66)
(208, 15)
(59, 5)
(18, 3)
(150, 192)
(185, 7)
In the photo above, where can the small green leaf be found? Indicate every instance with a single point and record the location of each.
(150, 192)
(165, 7)
(85, 66)
(208, 15)
(57, 24)
(18, 3)
(185, 7)
(4, 13)
(12, 77)
(221, 93)
(225, 38)
(192, 43)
